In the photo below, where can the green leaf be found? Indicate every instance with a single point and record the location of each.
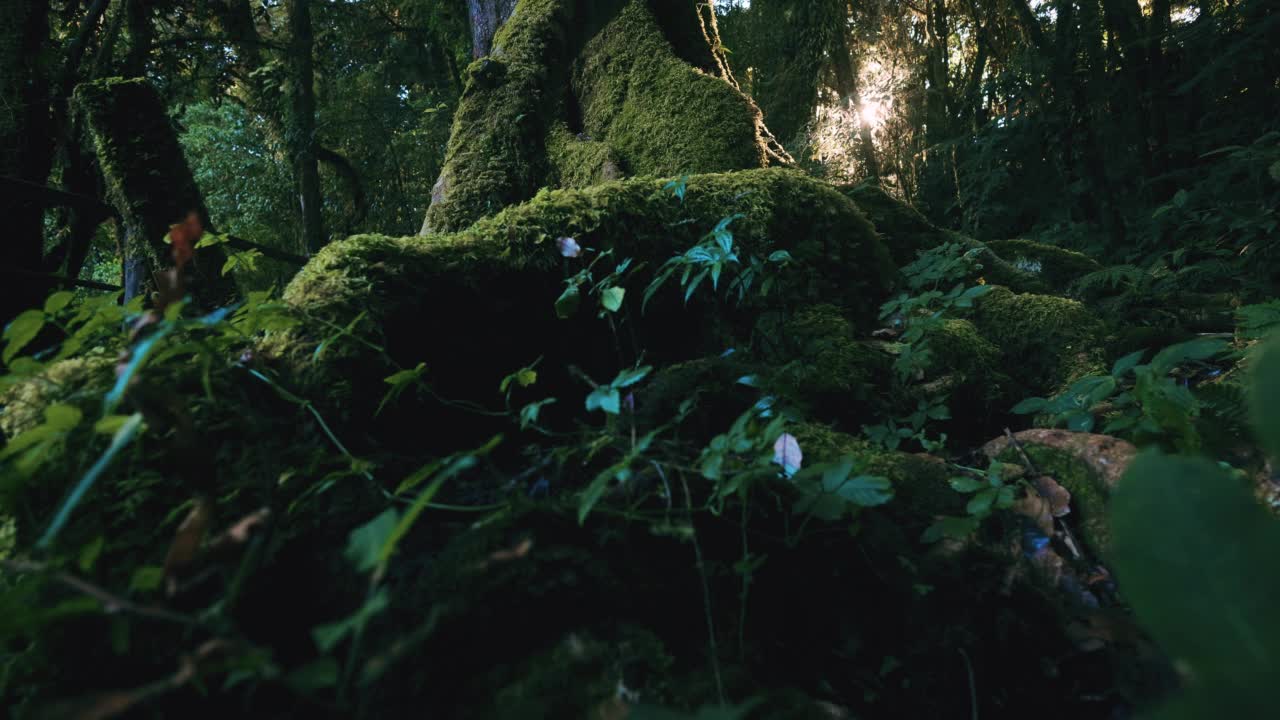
(1080, 421)
(1175, 355)
(596, 490)
(1127, 363)
(1264, 397)
(631, 376)
(605, 398)
(1030, 406)
(316, 675)
(567, 303)
(949, 527)
(981, 503)
(122, 437)
(328, 636)
(611, 299)
(146, 579)
(529, 413)
(863, 490)
(364, 545)
(62, 418)
(57, 301)
(21, 331)
(966, 484)
(1194, 552)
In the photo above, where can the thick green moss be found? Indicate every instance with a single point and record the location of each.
(1046, 341)
(1058, 267)
(968, 370)
(661, 115)
(822, 366)
(496, 283)
(78, 381)
(147, 177)
(904, 230)
(609, 69)
(497, 152)
(907, 233)
(919, 482)
(577, 162)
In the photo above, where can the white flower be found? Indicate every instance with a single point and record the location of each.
(568, 247)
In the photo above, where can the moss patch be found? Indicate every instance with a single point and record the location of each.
(661, 115)
(1058, 267)
(1046, 341)
(496, 283)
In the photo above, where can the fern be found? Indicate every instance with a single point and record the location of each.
(1256, 321)
(1110, 278)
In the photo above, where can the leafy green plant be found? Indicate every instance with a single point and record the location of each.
(711, 258)
(608, 289)
(989, 492)
(1144, 402)
(916, 315)
(895, 431)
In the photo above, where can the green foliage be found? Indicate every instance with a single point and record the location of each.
(916, 316)
(989, 492)
(711, 257)
(1191, 551)
(1144, 402)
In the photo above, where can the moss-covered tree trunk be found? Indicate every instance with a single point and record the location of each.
(579, 91)
(149, 183)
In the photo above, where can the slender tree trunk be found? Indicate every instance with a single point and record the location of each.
(487, 17)
(302, 123)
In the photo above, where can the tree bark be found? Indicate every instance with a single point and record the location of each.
(487, 17)
(148, 182)
(301, 132)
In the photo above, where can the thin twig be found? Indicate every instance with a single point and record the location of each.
(1072, 544)
(111, 603)
(973, 687)
(706, 592)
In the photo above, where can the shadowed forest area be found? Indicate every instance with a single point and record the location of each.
(640, 359)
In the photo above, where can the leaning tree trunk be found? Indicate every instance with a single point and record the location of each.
(148, 181)
(579, 91)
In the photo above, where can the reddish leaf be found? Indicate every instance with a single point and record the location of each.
(184, 237)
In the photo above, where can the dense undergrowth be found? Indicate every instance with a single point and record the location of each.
(326, 504)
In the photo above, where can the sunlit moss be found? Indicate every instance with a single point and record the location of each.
(1046, 341)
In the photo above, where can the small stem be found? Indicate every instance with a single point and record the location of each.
(706, 592)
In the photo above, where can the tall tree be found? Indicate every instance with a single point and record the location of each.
(301, 131)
